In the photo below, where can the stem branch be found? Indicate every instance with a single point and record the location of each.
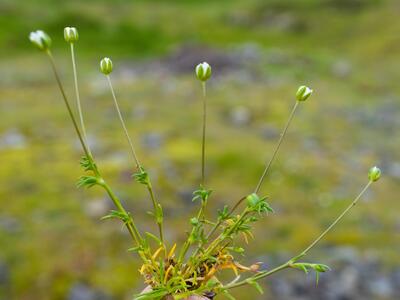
(289, 263)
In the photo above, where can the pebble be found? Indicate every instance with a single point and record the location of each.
(12, 138)
(80, 291)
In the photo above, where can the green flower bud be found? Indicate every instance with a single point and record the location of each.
(71, 34)
(252, 200)
(303, 93)
(374, 174)
(40, 39)
(203, 71)
(194, 221)
(106, 66)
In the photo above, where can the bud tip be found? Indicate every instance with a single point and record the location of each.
(374, 174)
(203, 71)
(71, 34)
(303, 93)
(106, 66)
(40, 39)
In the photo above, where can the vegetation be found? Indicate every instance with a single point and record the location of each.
(166, 273)
(43, 196)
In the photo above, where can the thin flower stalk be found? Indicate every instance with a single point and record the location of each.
(266, 169)
(77, 95)
(278, 145)
(156, 205)
(131, 226)
(203, 144)
(203, 73)
(292, 261)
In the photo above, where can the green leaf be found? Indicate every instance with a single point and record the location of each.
(87, 164)
(88, 181)
(115, 214)
(223, 214)
(159, 214)
(321, 268)
(228, 295)
(201, 194)
(135, 249)
(150, 235)
(157, 294)
(301, 266)
(239, 250)
(142, 176)
(256, 285)
(305, 267)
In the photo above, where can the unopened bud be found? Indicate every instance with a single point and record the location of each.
(106, 66)
(203, 71)
(252, 200)
(303, 93)
(374, 174)
(71, 34)
(194, 221)
(40, 39)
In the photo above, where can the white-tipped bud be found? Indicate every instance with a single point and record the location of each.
(374, 174)
(106, 66)
(40, 39)
(203, 71)
(71, 34)
(303, 93)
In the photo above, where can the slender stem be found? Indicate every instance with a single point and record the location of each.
(71, 114)
(305, 251)
(187, 242)
(223, 235)
(135, 157)
(123, 123)
(131, 226)
(289, 263)
(216, 225)
(185, 248)
(268, 166)
(200, 215)
(256, 277)
(203, 146)
(155, 205)
(78, 99)
(133, 230)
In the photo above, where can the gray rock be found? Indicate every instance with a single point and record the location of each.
(381, 287)
(152, 141)
(270, 133)
(341, 69)
(98, 207)
(12, 138)
(81, 291)
(139, 112)
(9, 224)
(394, 170)
(4, 274)
(240, 116)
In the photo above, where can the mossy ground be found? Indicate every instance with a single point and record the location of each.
(349, 124)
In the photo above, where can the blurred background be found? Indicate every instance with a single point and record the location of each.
(52, 242)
